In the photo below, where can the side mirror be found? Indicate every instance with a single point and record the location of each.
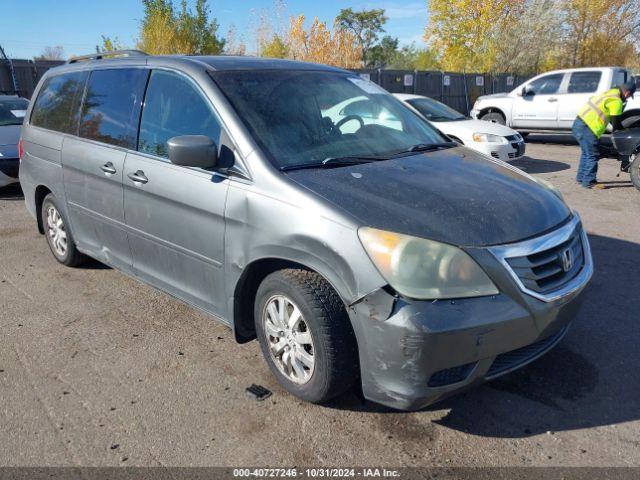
(526, 90)
(193, 151)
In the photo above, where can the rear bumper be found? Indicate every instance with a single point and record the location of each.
(415, 353)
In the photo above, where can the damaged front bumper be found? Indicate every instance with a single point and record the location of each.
(414, 353)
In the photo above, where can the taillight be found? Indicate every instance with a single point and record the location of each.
(20, 149)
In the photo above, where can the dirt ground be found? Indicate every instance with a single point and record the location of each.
(98, 369)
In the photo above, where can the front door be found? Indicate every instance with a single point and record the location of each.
(537, 107)
(582, 86)
(93, 163)
(174, 214)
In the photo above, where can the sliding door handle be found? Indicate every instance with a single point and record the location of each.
(138, 177)
(108, 168)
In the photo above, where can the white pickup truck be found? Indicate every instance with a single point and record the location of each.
(550, 102)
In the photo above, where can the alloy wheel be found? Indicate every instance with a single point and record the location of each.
(289, 339)
(56, 231)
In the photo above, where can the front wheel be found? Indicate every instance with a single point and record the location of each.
(494, 117)
(305, 335)
(634, 170)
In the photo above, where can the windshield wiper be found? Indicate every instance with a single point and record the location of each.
(359, 159)
(335, 161)
(428, 147)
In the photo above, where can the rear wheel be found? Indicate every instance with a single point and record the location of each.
(305, 335)
(494, 117)
(58, 233)
(634, 170)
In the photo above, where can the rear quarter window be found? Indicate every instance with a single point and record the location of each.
(58, 102)
(111, 107)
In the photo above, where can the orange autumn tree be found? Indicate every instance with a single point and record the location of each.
(319, 44)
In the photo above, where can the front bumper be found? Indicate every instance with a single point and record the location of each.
(415, 353)
(505, 152)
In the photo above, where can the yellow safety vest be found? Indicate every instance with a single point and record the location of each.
(600, 108)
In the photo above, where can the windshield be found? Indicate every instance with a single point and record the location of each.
(435, 111)
(305, 117)
(12, 111)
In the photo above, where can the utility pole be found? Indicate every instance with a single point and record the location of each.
(7, 60)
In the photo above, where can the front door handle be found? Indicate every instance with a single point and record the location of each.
(552, 99)
(108, 168)
(138, 177)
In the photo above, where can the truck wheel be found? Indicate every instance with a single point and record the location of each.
(634, 170)
(494, 117)
(58, 233)
(305, 335)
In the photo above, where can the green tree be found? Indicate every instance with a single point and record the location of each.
(110, 44)
(366, 25)
(165, 31)
(383, 53)
(276, 47)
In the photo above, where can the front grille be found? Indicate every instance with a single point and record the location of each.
(550, 269)
(510, 360)
(495, 155)
(451, 375)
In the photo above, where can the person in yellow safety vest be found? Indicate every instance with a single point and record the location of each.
(591, 122)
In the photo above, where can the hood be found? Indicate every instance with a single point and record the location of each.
(475, 126)
(10, 134)
(492, 96)
(453, 196)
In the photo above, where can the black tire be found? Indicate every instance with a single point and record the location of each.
(494, 117)
(71, 257)
(524, 135)
(334, 349)
(634, 171)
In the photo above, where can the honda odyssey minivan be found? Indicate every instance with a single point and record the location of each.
(369, 253)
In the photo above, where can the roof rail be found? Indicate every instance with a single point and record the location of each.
(101, 55)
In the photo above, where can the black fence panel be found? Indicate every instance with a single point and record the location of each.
(27, 73)
(457, 90)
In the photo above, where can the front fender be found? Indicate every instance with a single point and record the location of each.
(306, 232)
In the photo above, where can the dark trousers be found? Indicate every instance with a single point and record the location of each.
(588, 168)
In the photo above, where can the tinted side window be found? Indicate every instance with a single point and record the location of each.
(173, 107)
(111, 107)
(58, 102)
(546, 85)
(584, 82)
(619, 77)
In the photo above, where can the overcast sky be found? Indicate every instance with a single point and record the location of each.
(27, 26)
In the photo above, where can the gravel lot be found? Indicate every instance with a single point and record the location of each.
(98, 369)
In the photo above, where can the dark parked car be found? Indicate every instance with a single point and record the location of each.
(626, 142)
(12, 111)
(373, 253)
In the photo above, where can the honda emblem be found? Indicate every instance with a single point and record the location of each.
(566, 258)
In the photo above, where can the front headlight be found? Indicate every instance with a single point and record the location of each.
(423, 269)
(488, 138)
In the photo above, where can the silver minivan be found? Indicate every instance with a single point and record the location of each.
(360, 246)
